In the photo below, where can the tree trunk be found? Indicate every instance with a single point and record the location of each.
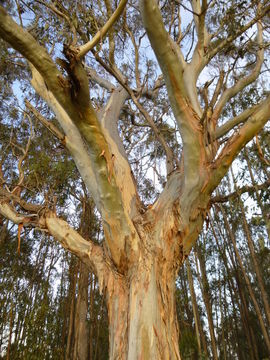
(91, 311)
(239, 297)
(258, 197)
(234, 293)
(72, 304)
(80, 326)
(198, 326)
(248, 283)
(194, 307)
(142, 315)
(10, 331)
(207, 301)
(253, 254)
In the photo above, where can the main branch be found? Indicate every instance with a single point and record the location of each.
(183, 100)
(69, 98)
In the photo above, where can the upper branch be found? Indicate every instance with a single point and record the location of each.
(230, 124)
(199, 60)
(206, 49)
(251, 127)
(216, 46)
(98, 79)
(24, 42)
(168, 151)
(199, 12)
(244, 81)
(84, 49)
(62, 14)
(240, 191)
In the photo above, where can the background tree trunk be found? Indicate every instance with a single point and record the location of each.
(81, 333)
(208, 304)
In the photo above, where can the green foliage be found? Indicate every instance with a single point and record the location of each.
(188, 345)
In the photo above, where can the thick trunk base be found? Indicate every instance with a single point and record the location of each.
(142, 316)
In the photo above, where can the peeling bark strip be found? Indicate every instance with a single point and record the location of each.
(144, 248)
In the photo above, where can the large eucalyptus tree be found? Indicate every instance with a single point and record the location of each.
(210, 55)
